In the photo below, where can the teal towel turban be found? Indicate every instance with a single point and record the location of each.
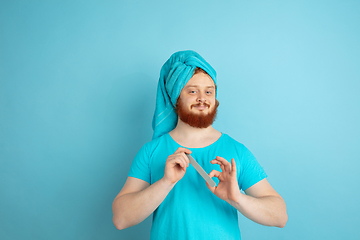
(174, 75)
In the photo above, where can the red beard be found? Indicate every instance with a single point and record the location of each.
(200, 120)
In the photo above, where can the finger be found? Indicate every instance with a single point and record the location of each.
(222, 166)
(183, 157)
(183, 161)
(186, 159)
(226, 164)
(215, 161)
(214, 173)
(180, 156)
(177, 160)
(218, 163)
(188, 151)
(233, 166)
(212, 189)
(184, 150)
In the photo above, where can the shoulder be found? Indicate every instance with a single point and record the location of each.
(152, 145)
(231, 141)
(239, 148)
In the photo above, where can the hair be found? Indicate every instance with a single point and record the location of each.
(200, 70)
(195, 120)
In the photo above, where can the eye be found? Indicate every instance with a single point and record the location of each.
(192, 91)
(209, 92)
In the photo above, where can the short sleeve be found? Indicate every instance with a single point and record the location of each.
(140, 167)
(250, 171)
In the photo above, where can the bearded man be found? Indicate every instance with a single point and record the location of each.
(161, 180)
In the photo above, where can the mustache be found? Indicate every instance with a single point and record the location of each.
(201, 104)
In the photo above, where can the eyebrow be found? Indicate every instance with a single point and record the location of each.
(198, 86)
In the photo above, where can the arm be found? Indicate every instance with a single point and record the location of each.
(138, 199)
(261, 204)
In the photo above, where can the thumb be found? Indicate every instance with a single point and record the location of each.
(216, 174)
(212, 189)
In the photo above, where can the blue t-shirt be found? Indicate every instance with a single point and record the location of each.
(191, 210)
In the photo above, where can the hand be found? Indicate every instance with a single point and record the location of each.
(176, 165)
(228, 188)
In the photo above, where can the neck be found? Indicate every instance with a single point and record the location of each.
(188, 136)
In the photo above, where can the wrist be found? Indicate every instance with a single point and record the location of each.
(166, 183)
(236, 199)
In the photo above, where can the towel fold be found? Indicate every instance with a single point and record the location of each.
(174, 75)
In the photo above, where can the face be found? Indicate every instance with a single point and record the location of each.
(196, 104)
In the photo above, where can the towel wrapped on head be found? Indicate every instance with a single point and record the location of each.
(174, 75)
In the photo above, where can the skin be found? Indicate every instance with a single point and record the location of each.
(260, 203)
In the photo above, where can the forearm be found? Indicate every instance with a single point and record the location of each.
(268, 210)
(132, 208)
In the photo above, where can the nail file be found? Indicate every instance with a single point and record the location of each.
(201, 171)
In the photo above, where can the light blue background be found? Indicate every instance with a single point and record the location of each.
(77, 93)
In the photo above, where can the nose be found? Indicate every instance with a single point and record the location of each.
(201, 98)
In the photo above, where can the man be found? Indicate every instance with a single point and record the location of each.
(162, 182)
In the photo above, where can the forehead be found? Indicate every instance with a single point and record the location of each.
(200, 80)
